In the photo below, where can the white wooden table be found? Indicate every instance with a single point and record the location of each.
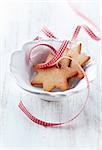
(19, 23)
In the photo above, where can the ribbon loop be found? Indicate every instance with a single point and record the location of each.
(52, 62)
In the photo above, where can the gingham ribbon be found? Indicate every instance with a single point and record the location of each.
(57, 58)
(50, 124)
(83, 16)
(59, 53)
(52, 62)
(48, 33)
(30, 55)
(88, 31)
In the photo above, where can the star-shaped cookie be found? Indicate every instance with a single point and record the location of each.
(81, 59)
(51, 78)
(74, 53)
(58, 77)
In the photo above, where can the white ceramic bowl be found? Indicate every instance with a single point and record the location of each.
(22, 72)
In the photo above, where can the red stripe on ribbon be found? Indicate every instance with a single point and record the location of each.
(48, 32)
(76, 32)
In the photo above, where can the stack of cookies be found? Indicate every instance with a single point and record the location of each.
(58, 76)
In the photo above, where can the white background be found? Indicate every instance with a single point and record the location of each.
(20, 21)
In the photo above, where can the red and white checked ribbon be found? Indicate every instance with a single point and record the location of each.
(58, 57)
(34, 119)
(48, 33)
(52, 62)
(30, 55)
(57, 54)
(83, 16)
(48, 124)
(88, 31)
(76, 33)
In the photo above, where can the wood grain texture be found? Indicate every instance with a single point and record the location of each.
(20, 22)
